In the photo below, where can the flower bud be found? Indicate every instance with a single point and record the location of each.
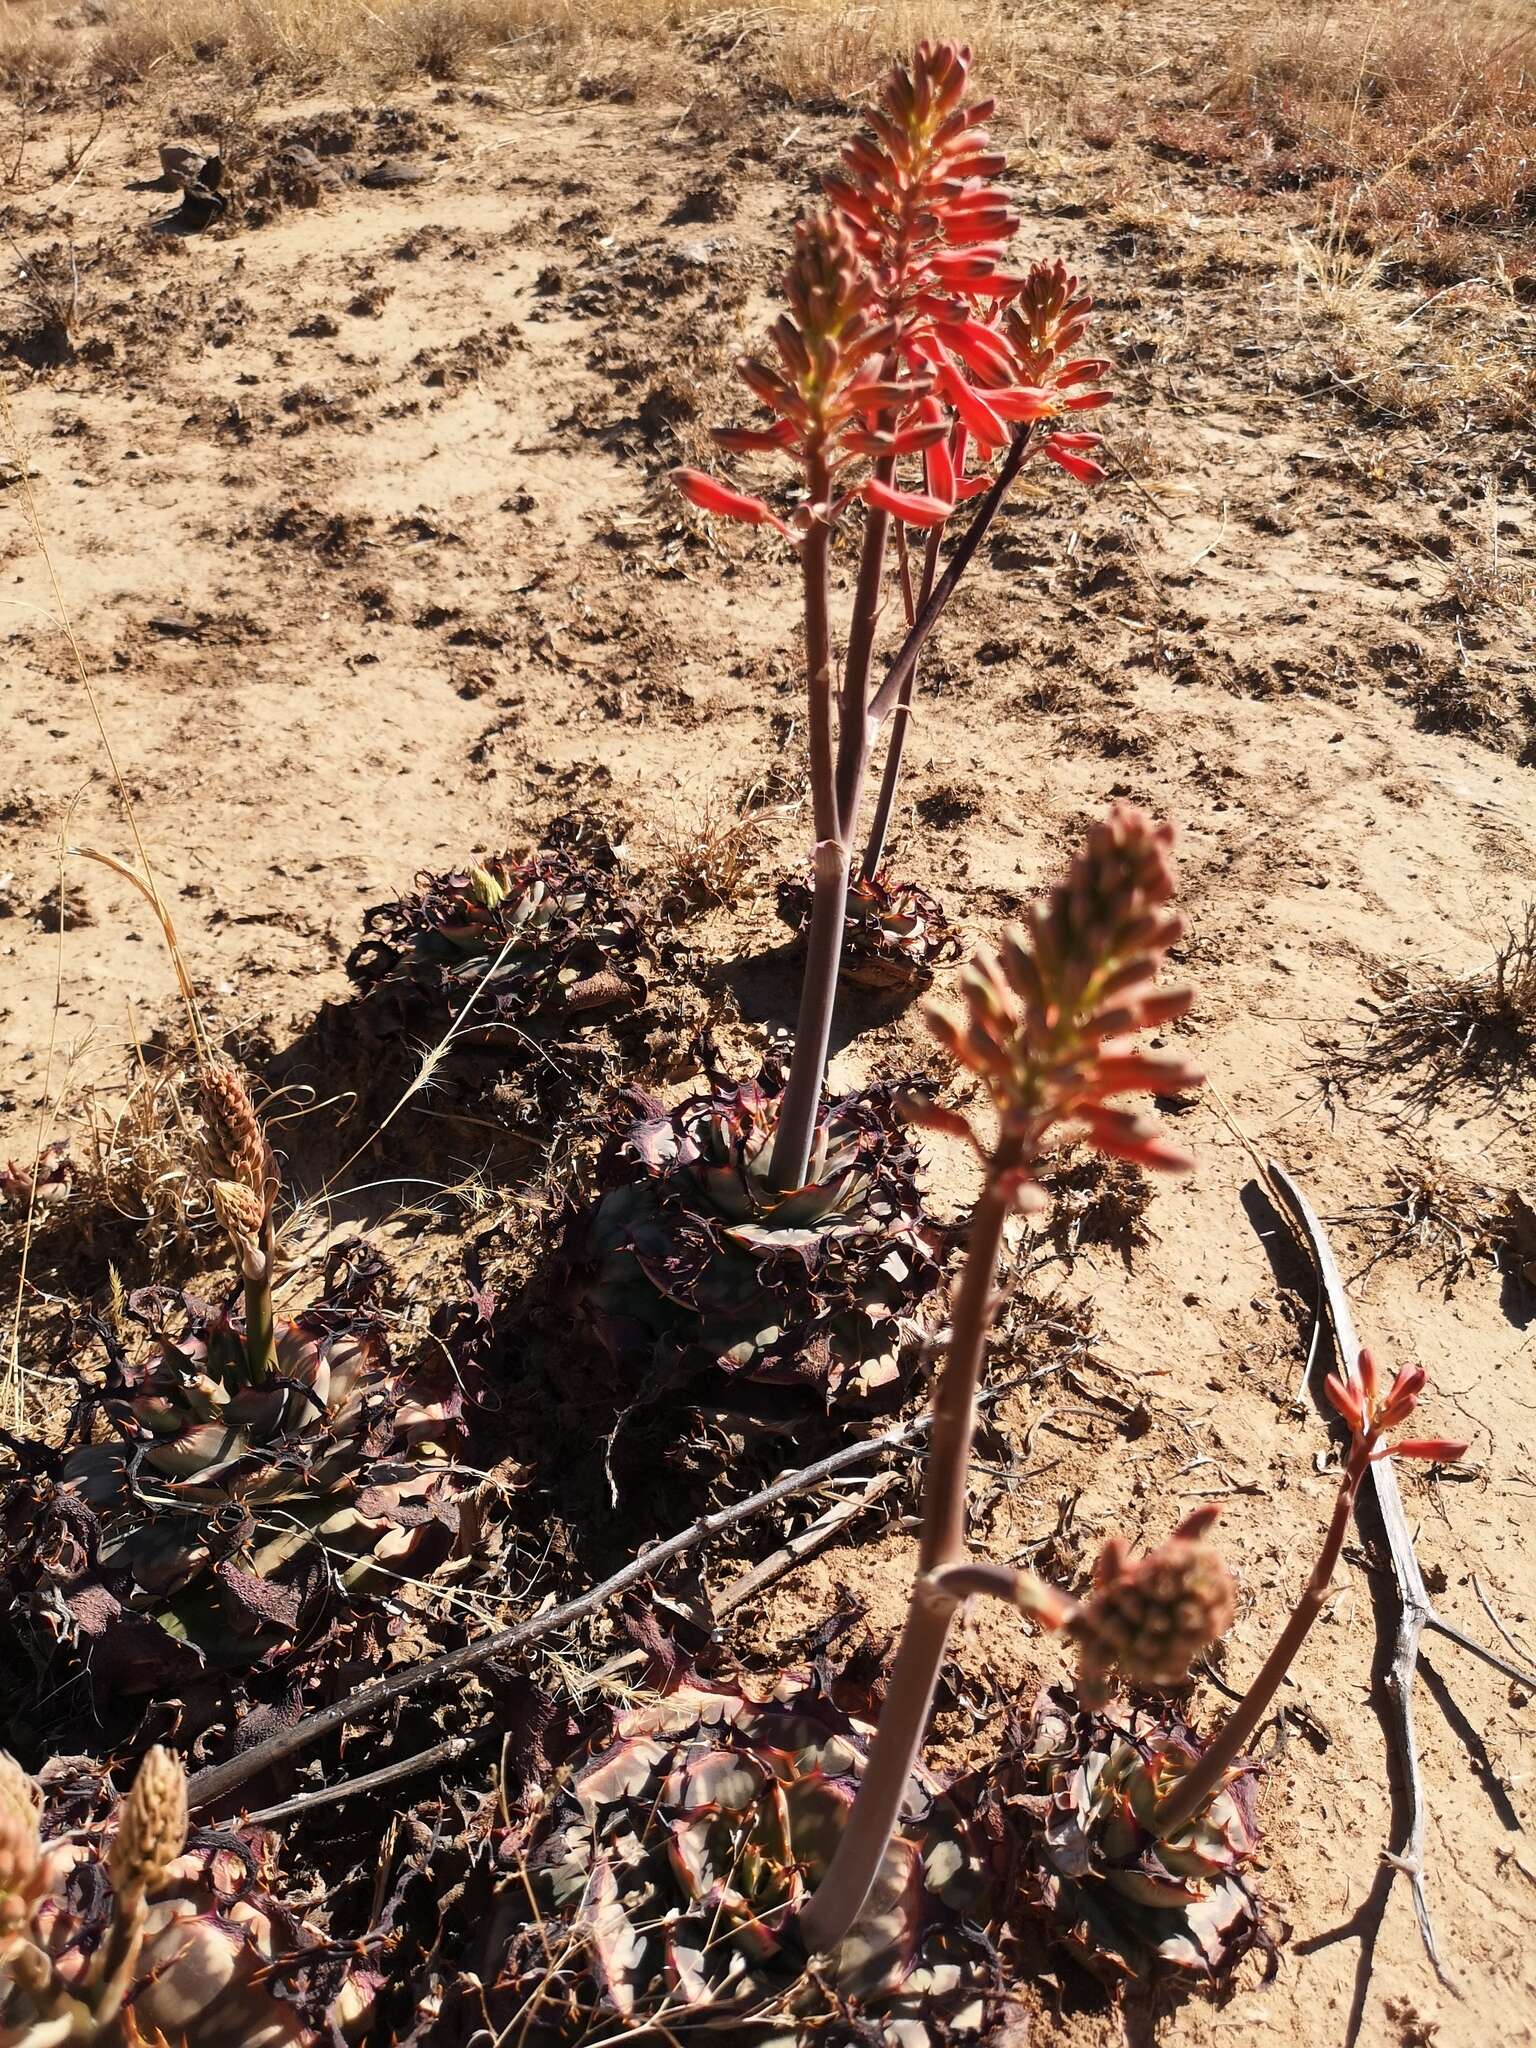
(151, 1825)
(235, 1136)
(1149, 1618)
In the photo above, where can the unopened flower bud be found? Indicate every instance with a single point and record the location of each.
(151, 1826)
(1149, 1618)
(485, 888)
(235, 1135)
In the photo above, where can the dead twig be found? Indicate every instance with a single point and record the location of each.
(806, 1544)
(1415, 1609)
(814, 1538)
(370, 1781)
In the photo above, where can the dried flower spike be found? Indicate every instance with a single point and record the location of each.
(152, 1826)
(241, 1216)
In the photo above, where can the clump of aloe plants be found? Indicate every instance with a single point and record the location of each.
(748, 1857)
(907, 345)
(663, 1889)
(710, 1863)
(130, 1932)
(237, 1488)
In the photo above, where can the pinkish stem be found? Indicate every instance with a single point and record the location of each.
(1209, 1774)
(898, 1742)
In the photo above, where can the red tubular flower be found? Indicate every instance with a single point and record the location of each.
(710, 495)
(1359, 1401)
(1081, 972)
(899, 292)
(912, 506)
(1079, 466)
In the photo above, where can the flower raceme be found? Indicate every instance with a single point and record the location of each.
(1047, 1014)
(1146, 1619)
(905, 334)
(1370, 1411)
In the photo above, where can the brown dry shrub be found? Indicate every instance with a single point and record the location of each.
(1419, 126)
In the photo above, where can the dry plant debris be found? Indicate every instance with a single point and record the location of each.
(1430, 1029)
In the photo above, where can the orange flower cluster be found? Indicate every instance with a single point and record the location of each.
(1046, 1016)
(906, 335)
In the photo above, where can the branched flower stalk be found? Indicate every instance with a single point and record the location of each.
(901, 343)
(1044, 1019)
(1370, 1410)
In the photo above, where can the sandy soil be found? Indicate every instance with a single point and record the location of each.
(357, 513)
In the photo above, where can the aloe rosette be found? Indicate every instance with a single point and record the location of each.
(691, 1252)
(1127, 1898)
(203, 1953)
(895, 932)
(531, 948)
(235, 1521)
(661, 1887)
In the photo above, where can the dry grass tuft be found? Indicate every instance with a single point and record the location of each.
(1488, 581)
(1439, 1029)
(1098, 1201)
(804, 49)
(1442, 1219)
(706, 854)
(142, 1162)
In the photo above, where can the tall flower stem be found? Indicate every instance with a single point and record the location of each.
(260, 1321)
(1209, 1774)
(856, 1862)
(836, 788)
(818, 991)
(1370, 1412)
(1043, 1018)
(901, 718)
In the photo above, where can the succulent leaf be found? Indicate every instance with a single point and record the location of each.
(232, 1527)
(895, 933)
(666, 1873)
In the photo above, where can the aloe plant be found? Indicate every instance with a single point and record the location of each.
(264, 1481)
(522, 948)
(692, 1250)
(896, 932)
(125, 1932)
(660, 1892)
